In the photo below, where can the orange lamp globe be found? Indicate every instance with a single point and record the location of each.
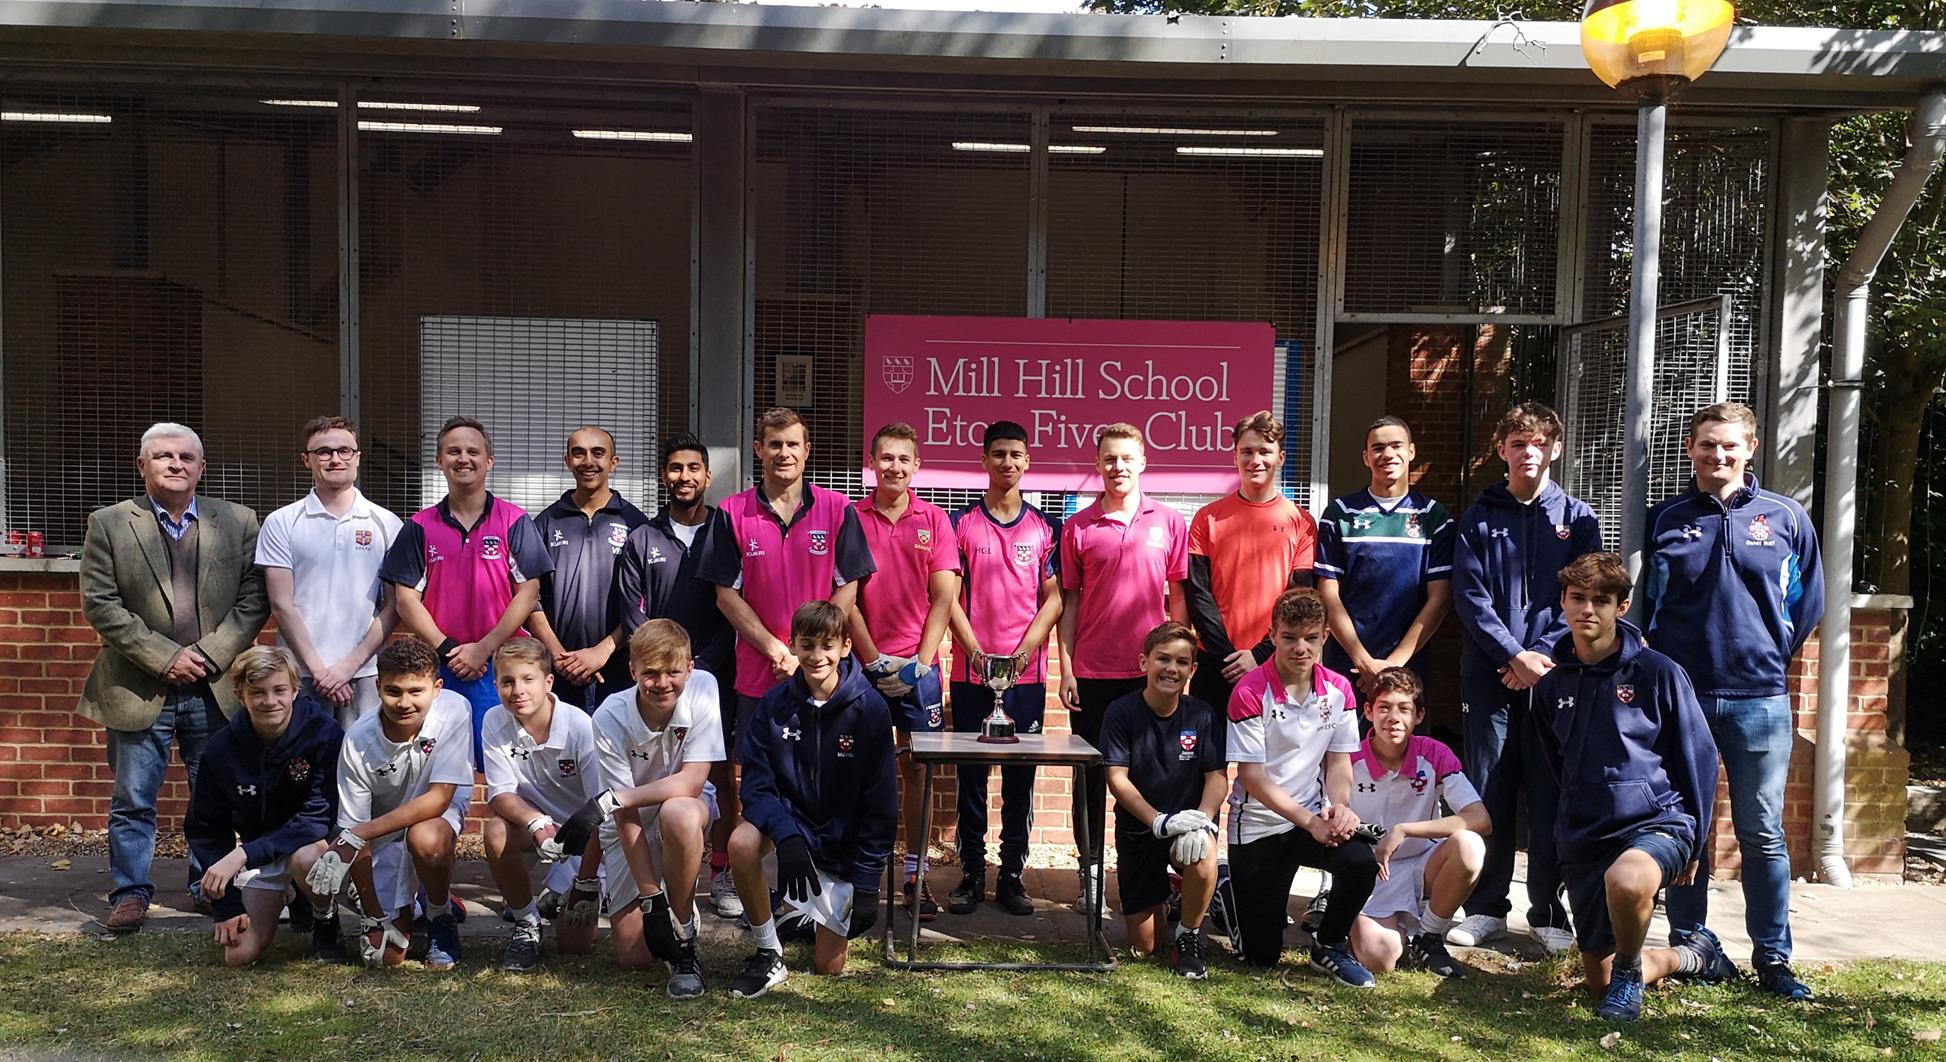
(1667, 40)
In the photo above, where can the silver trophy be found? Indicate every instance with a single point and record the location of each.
(999, 675)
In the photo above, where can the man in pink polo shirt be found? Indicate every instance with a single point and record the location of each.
(466, 572)
(770, 549)
(1124, 563)
(901, 618)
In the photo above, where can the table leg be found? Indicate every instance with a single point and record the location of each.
(925, 846)
(891, 904)
(1091, 873)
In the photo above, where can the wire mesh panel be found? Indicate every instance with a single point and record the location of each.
(1692, 370)
(1452, 217)
(560, 237)
(168, 257)
(1194, 217)
(869, 211)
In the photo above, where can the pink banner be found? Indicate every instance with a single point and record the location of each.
(1182, 382)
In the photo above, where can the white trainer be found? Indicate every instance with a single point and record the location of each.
(1556, 940)
(723, 895)
(1476, 930)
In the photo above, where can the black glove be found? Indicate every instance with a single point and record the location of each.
(573, 835)
(797, 876)
(657, 931)
(864, 913)
(1368, 832)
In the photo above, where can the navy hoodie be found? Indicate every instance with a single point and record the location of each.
(1628, 743)
(824, 773)
(1731, 591)
(274, 800)
(1504, 567)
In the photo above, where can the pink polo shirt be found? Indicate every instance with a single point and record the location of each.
(1123, 571)
(896, 598)
(1005, 565)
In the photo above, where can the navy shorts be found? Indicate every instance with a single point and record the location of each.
(1142, 868)
(923, 710)
(1588, 889)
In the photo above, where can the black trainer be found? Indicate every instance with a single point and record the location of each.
(1314, 912)
(523, 952)
(326, 944)
(1429, 951)
(303, 916)
(1011, 896)
(763, 972)
(1189, 955)
(966, 896)
(685, 972)
(924, 905)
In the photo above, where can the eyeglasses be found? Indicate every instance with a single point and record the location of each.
(343, 453)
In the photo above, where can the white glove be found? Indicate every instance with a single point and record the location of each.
(327, 875)
(584, 903)
(886, 675)
(375, 956)
(1190, 848)
(1177, 823)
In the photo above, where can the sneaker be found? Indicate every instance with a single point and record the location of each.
(302, 915)
(1222, 903)
(723, 895)
(1430, 952)
(763, 972)
(326, 945)
(686, 972)
(1314, 912)
(1553, 939)
(523, 947)
(1780, 980)
(1011, 896)
(1342, 966)
(1717, 966)
(442, 942)
(927, 907)
(1624, 999)
(1189, 955)
(1476, 930)
(965, 897)
(1089, 901)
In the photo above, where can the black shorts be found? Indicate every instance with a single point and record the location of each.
(1142, 865)
(1587, 884)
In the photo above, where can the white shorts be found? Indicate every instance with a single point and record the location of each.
(275, 874)
(393, 874)
(1404, 892)
(830, 908)
(618, 882)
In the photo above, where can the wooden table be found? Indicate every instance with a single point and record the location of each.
(1040, 750)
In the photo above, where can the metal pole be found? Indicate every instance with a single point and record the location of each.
(1644, 276)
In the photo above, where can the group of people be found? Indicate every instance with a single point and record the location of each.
(733, 684)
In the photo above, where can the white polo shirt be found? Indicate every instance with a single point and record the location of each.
(1428, 773)
(333, 563)
(631, 754)
(377, 775)
(552, 775)
(1290, 738)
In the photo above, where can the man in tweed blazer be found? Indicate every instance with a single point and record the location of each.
(169, 582)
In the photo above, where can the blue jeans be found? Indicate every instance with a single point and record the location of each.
(1503, 760)
(482, 693)
(139, 759)
(1753, 734)
(972, 703)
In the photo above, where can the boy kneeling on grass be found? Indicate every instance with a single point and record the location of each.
(819, 789)
(264, 800)
(539, 761)
(1620, 728)
(1428, 863)
(1164, 754)
(405, 774)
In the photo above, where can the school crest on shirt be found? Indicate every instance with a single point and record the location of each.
(678, 734)
(427, 744)
(1625, 693)
(935, 717)
(1759, 531)
(1412, 527)
(1418, 782)
(491, 548)
(1561, 532)
(1158, 538)
(617, 536)
(845, 745)
(299, 770)
(922, 539)
(1024, 554)
(820, 543)
(362, 538)
(1187, 741)
(567, 766)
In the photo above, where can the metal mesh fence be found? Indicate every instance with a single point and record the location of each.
(169, 257)
(1452, 217)
(536, 276)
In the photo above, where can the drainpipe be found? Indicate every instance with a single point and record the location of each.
(1927, 133)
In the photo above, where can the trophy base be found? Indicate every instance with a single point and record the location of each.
(999, 736)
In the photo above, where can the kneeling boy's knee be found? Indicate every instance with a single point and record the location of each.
(1470, 847)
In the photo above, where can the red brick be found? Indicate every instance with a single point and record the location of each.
(44, 788)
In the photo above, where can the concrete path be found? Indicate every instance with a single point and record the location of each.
(1870, 921)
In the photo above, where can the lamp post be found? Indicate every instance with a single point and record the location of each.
(1652, 48)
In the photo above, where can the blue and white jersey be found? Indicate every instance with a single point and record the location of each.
(1383, 556)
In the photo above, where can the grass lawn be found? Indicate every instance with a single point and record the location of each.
(165, 994)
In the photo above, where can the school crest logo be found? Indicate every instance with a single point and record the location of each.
(298, 770)
(567, 766)
(1158, 538)
(678, 734)
(362, 538)
(1187, 741)
(1625, 693)
(845, 744)
(1561, 532)
(922, 538)
(1023, 554)
(896, 371)
(1419, 781)
(426, 745)
(1412, 527)
(820, 543)
(491, 548)
(934, 718)
(617, 536)
(1759, 531)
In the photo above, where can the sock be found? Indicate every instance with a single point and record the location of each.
(1432, 923)
(766, 936)
(529, 913)
(441, 906)
(719, 863)
(1689, 957)
(911, 865)
(1633, 964)
(687, 930)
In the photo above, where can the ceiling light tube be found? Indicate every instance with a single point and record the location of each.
(1144, 130)
(429, 127)
(633, 134)
(1301, 153)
